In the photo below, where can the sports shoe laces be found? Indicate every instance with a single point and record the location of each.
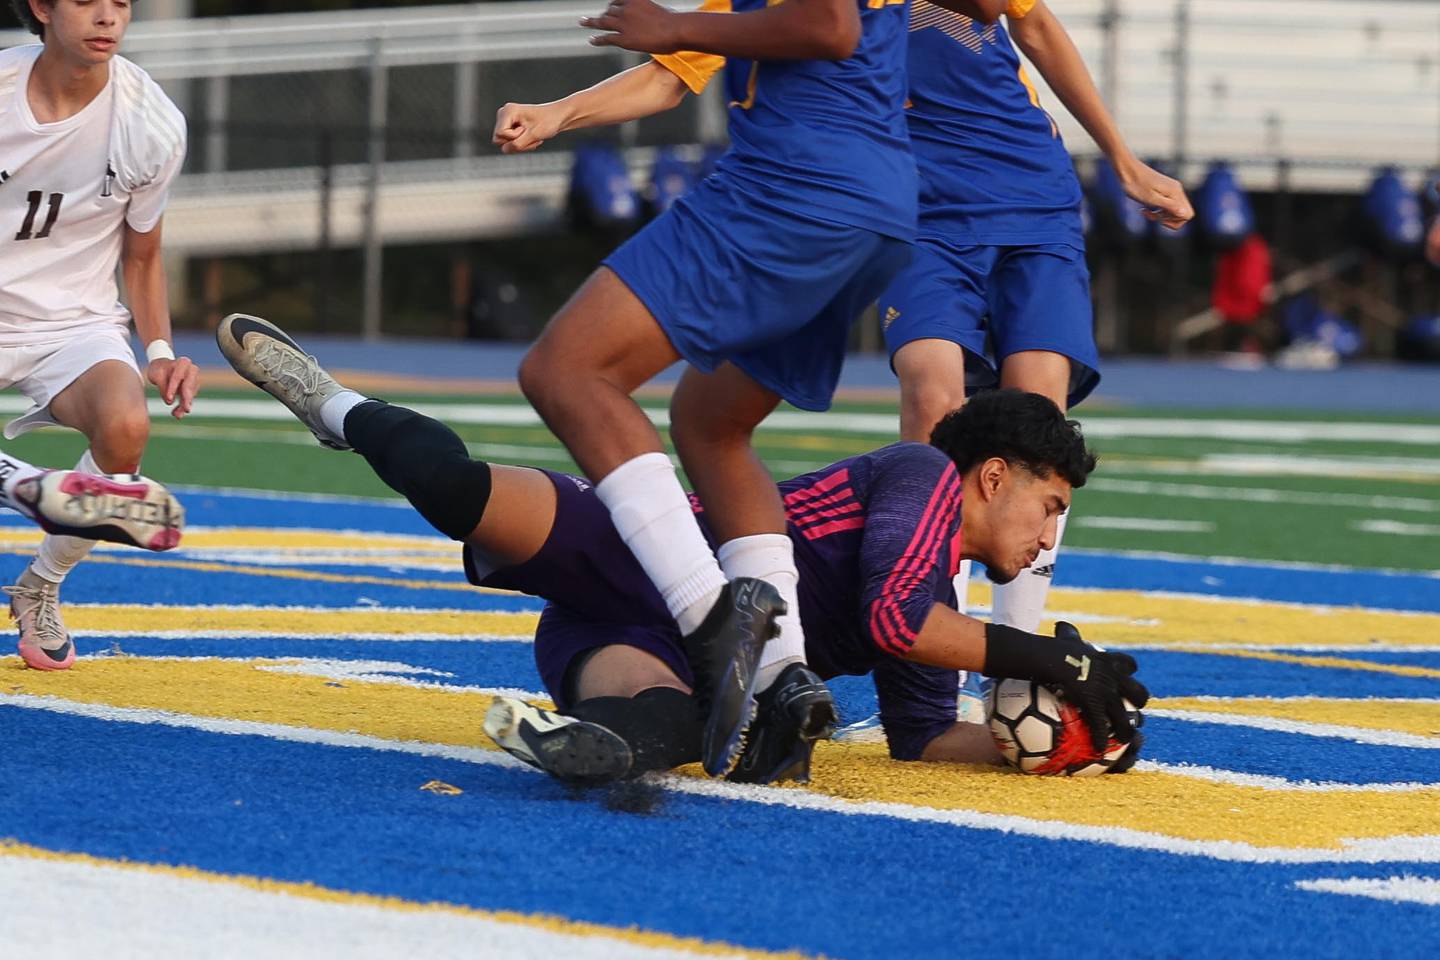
(289, 369)
(46, 613)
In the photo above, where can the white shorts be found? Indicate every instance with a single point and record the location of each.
(40, 371)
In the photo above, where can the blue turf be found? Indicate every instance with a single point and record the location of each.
(1368, 588)
(749, 874)
(120, 583)
(1288, 755)
(1170, 673)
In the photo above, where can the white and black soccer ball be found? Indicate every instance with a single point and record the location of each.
(1038, 732)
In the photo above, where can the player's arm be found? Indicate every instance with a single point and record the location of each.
(986, 11)
(917, 711)
(1096, 681)
(638, 92)
(963, 743)
(793, 30)
(1044, 41)
(143, 267)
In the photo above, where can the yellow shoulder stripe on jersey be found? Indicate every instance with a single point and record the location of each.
(631, 936)
(696, 69)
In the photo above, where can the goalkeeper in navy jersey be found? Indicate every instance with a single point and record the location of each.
(877, 539)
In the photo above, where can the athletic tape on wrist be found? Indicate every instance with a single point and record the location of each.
(159, 350)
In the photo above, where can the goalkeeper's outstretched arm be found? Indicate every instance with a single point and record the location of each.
(629, 95)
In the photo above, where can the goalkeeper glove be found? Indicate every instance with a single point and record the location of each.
(1096, 682)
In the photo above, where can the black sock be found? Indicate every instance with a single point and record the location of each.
(424, 460)
(662, 725)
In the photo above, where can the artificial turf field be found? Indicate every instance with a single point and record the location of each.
(271, 744)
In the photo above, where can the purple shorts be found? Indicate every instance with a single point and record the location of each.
(597, 591)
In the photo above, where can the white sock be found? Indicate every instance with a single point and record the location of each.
(770, 557)
(58, 555)
(962, 587)
(1021, 602)
(333, 411)
(12, 472)
(652, 513)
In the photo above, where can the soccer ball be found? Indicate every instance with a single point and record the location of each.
(1038, 732)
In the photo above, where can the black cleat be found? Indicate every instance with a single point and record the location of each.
(724, 652)
(575, 751)
(794, 711)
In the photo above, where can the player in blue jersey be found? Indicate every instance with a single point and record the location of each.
(998, 291)
(754, 279)
(877, 538)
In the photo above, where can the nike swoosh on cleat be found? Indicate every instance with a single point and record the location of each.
(245, 325)
(59, 654)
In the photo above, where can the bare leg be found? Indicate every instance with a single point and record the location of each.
(932, 384)
(581, 371)
(107, 404)
(713, 417)
(1038, 371)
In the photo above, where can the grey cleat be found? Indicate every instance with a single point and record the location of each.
(35, 608)
(266, 356)
(568, 749)
(120, 507)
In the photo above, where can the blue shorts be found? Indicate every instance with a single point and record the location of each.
(994, 302)
(598, 592)
(732, 277)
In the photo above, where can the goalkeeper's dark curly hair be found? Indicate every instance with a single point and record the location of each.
(27, 18)
(1018, 427)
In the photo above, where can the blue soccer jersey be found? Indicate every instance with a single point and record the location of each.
(824, 138)
(993, 168)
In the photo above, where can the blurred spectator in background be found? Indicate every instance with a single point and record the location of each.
(1240, 293)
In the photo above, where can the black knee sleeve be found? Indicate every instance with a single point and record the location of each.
(425, 461)
(662, 725)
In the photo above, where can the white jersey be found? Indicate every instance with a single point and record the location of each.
(65, 190)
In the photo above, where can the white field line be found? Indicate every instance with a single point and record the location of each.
(1396, 529)
(880, 424)
(218, 916)
(1265, 431)
(389, 672)
(1144, 524)
(306, 558)
(1200, 491)
(1239, 464)
(252, 493)
(1412, 849)
(1383, 738)
(1421, 890)
(1237, 779)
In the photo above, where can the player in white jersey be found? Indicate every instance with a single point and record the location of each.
(89, 146)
